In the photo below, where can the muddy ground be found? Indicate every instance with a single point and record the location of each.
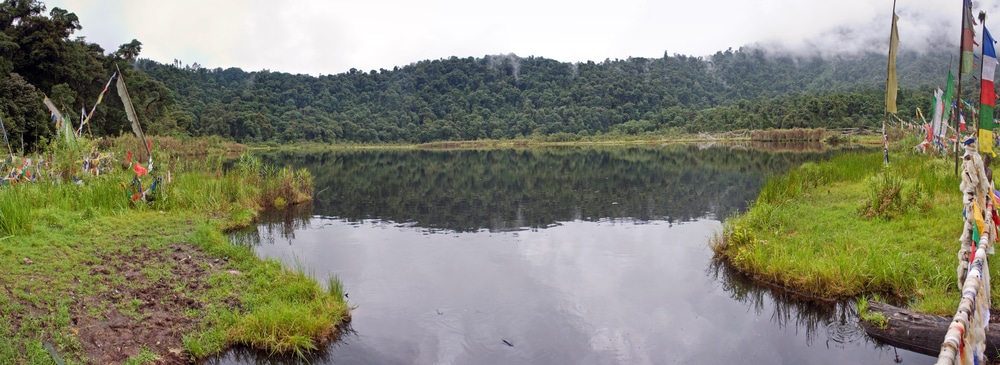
(156, 316)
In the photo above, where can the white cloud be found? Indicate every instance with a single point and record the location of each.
(328, 37)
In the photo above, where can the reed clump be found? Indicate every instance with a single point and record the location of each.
(276, 185)
(885, 196)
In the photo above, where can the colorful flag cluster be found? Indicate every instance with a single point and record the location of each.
(987, 99)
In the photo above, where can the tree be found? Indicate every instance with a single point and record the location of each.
(129, 51)
(22, 112)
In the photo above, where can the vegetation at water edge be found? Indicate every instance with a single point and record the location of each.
(850, 227)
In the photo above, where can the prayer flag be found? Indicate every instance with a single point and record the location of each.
(948, 92)
(139, 170)
(987, 96)
(891, 84)
(968, 37)
(936, 124)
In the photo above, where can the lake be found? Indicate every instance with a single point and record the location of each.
(549, 256)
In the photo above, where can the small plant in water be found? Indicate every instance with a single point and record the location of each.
(876, 319)
(335, 286)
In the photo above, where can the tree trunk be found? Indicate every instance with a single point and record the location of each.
(922, 333)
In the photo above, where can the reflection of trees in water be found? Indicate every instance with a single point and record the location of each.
(272, 224)
(468, 190)
(836, 321)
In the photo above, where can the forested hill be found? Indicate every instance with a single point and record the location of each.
(509, 96)
(497, 97)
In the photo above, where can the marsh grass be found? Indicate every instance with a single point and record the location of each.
(335, 287)
(60, 228)
(794, 134)
(15, 211)
(804, 231)
(271, 187)
(162, 146)
(884, 197)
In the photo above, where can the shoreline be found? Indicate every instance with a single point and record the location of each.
(851, 228)
(132, 273)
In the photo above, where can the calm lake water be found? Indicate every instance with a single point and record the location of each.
(549, 256)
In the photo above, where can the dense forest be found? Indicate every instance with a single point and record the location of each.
(492, 97)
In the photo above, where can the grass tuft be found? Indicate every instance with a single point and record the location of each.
(884, 199)
(877, 319)
(335, 286)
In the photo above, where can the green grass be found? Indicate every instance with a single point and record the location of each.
(15, 211)
(53, 234)
(144, 357)
(808, 230)
(287, 310)
(875, 318)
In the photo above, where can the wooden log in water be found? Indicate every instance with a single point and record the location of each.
(921, 333)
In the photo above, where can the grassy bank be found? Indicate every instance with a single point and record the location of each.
(88, 277)
(849, 227)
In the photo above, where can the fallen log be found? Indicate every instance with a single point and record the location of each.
(921, 333)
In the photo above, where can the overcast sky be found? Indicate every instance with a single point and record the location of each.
(332, 36)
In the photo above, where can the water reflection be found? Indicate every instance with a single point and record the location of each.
(835, 323)
(501, 257)
(274, 224)
(502, 190)
(789, 310)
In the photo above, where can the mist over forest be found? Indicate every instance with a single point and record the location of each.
(761, 86)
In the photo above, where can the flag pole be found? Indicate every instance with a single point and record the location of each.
(5, 141)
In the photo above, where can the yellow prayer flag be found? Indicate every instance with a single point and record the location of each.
(986, 141)
(977, 214)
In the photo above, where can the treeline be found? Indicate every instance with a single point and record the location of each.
(493, 97)
(38, 58)
(498, 97)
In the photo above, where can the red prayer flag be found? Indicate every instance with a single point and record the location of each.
(139, 170)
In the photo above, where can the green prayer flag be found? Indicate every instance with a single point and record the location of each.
(948, 96)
